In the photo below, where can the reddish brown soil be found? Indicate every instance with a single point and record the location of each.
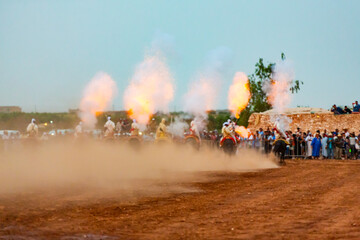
(304, 200)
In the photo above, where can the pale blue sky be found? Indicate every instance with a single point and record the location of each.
(49, 50)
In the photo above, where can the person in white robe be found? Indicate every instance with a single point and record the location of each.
(32, 129)
(109, 128)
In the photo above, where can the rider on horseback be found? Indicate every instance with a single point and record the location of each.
(134, 131)
(194, 131)
(161, 130)
(32, 129)
(228, 132)
(279, 148)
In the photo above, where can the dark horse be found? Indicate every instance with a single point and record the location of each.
(280, 149)
(228, 145)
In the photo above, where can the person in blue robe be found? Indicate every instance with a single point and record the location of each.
(316, 146)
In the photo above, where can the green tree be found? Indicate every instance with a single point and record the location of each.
(259, 101)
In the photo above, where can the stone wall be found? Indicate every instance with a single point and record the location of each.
(310, 121)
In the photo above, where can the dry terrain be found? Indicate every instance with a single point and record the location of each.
(307, 199)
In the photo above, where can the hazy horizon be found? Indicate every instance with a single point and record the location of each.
(50, 50)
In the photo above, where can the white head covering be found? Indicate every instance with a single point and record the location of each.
(33, 120)
(134, 120)
(108, 118)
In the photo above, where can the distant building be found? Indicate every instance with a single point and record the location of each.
(71, 110)
(9, 109)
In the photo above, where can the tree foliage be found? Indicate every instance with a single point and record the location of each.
(259, 101)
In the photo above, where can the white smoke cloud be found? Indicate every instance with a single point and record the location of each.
(204, 90)
(178, 127)
(279, 94)
(97, 97)
(164, 44)
(151, 88)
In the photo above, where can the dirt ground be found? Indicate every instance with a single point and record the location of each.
(307, 199)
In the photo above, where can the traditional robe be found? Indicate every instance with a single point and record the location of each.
(134, 129)
(109, 126)
(308, 141)
(161, 130)
(316, 146)
(32, 129)
(78, 130)
(323, 146)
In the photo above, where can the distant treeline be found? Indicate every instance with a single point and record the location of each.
(48, 121)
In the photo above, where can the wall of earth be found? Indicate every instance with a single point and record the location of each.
(309, 121)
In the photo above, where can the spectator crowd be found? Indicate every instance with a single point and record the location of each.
(304, 144)
(338, 110)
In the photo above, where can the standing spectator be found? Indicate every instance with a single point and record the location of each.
(257, 140)
(339, 144)
(352, 142)
(347, 110)
(6, 140)
(118, 126)
(262, 138)
(78, 130)
(330, 146)
(347, 150)
(316, 146)
(346, 132)
(318, 132)
(303, 145)
(261, 132)
(324, 141)
(292, 145)
(356, 107)
(308, 140)
(268, 139)
(297, 144)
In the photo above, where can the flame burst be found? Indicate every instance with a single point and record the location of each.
(239, 94)
(150, 90)
(97, 96)
(242, 131)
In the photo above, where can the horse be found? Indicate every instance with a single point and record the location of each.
(280, 149)
(228, 145)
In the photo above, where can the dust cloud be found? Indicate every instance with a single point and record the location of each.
(99, 169)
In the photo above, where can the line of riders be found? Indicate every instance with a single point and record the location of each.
(229, 140)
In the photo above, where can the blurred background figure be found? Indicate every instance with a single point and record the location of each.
(6, 139)
(134, 131)
(109, 128)
(119, 126)
(161, 130)
(32, 129)
(44, 137)
(78, 130)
